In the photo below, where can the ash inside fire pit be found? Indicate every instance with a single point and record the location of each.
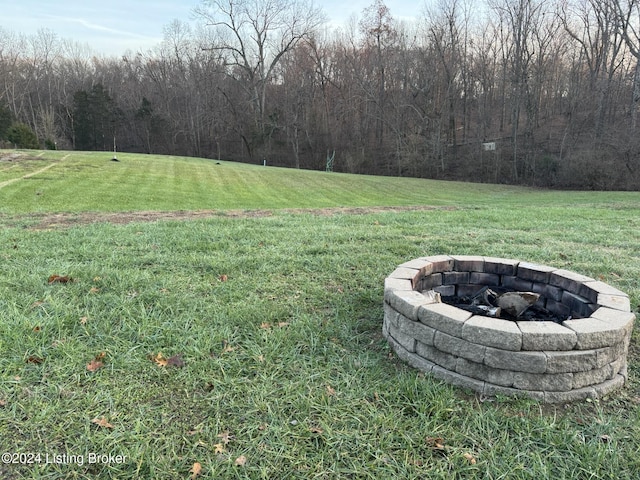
(507, 304)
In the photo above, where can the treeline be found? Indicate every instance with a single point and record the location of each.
(534, 92)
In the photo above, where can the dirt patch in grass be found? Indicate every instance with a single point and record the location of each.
(47, 221)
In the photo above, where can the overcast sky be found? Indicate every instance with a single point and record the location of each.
(112, 27)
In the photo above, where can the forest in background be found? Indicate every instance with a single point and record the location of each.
(529, 92)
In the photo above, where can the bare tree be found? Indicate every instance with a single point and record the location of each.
(254, 35)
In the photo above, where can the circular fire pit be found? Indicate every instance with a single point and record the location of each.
(583, 356)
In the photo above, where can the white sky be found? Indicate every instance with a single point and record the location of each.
(112, 27)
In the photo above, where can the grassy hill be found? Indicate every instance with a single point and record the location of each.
(249, 346)
(49, 181)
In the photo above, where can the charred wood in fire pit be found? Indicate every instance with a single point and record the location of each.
(505, 304)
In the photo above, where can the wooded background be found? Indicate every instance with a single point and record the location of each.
(533, 92)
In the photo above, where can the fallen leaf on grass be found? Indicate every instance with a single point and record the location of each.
(435, 443)
(218, 448)
(159, 360)
(102, 422)
(241, 460)
(227, 348)
(94, 365)
(37, 328)
(94, 290)
(35, 359)
(470, 458)
(83, 320)
(195, 470)
(267, 325)
(225, 437)
(3, 403)
(174, 361)
(316, 430)
(60, 279)
(223, 278)
(330, 391)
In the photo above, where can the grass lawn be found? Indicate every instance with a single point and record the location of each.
(250, 347)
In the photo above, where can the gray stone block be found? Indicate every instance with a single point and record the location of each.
(616, 302)
(579, 307)
(500, 266)
(429, 282)
(445, 290)
(547, 291)
(454, 378)
(592, 377)
(484, 373)
(393, 284)
(406, 341)
(554, 382)
(459, 347)
(469, 289)
(410, 358)
(454, 278)
(568, 280)
(492, 332)
(546, 336)
(571, 361)
(530, 362)
(492, 390)
(605, 388)
(479, 278)
(591, 290)
(534, 272)
(593, 333)
(443, 317)
(436, 356)
(468, 263)
(421, 264)
(517, 284)
(570, 396)
(404, 273)
(419, 331)
(440, 263)
(408, 302)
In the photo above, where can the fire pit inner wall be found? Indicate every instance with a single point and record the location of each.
(583, 357)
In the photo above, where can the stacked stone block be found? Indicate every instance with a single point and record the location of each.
(584, 357)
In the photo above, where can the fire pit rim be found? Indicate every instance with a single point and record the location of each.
(581, 358)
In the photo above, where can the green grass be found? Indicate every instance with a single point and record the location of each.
(90, 181)
(285, 355)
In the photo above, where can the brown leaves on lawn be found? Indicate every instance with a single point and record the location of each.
(196, 470)
(59, 279)
(470, 458)
(35, 359)
(102, 422)
(174, 361)
(241, 460)
(269, 326)
(435, 443)
(225, 437)
(96, 363)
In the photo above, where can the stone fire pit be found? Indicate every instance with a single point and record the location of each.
(584, 356)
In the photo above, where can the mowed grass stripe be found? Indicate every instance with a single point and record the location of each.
(90, 181)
